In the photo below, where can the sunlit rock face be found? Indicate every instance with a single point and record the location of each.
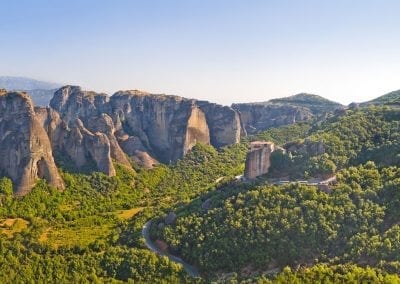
(168, 126)
(258, 159)
(90, 129)
(138, 126)
(25, 148)
(224, 124)
(83, 129)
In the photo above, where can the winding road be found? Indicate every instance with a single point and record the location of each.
(191, 270)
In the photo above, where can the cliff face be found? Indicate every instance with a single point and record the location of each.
(25, 149)
(258, 159)
(92, 129)
(224, 123)
(256, 118)
(167, 126)
(138, 125)
(79, 125)
(277, 112)
(196, 129)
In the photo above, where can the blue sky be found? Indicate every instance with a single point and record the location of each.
(220, 50)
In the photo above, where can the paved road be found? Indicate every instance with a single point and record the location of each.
(191, 270)
(326, 181)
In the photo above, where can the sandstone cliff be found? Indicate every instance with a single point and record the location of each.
(258, 159)
(83, 129)
(144, 127)
(224, 123)
(94, 130)
(167, 126)
(25, 149)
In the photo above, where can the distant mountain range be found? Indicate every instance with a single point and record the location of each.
(40, 91)
(23, 83)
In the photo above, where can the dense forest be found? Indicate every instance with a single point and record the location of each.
(258, 228)
(231, 230)
(91, 232)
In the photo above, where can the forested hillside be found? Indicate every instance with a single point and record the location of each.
(257, 228)
(229, 229)
(91, 232)
(349, 138)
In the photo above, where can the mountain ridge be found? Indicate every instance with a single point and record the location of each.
(25, 83)
(97, 130)
(40, 91)
(391, 98)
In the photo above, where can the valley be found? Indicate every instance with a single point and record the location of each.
(114, 219)
(199, 142)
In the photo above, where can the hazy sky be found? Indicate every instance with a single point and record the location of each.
(221, 50)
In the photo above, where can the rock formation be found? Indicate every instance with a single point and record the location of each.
(256, 117)
(258, 159)
(84, 129)
(137, 125)
(224, 123)
(277, 112)
(308, 147)
(92, 130)
(167, 126)
(25, 149)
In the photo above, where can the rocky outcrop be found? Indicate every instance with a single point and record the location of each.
(92, 130)
(142, 126)
(308, 147)
(25, 149)
(258, 159)
(224, 123)
(277, 112)
(165, 126)
(84, 130)
(196, 129)
(256, 118)
(72, 103)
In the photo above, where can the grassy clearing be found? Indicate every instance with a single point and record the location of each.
(70, 207)
(127, 214)
(11, 226)
(83, 231)
(80, 232)
(44, 236)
